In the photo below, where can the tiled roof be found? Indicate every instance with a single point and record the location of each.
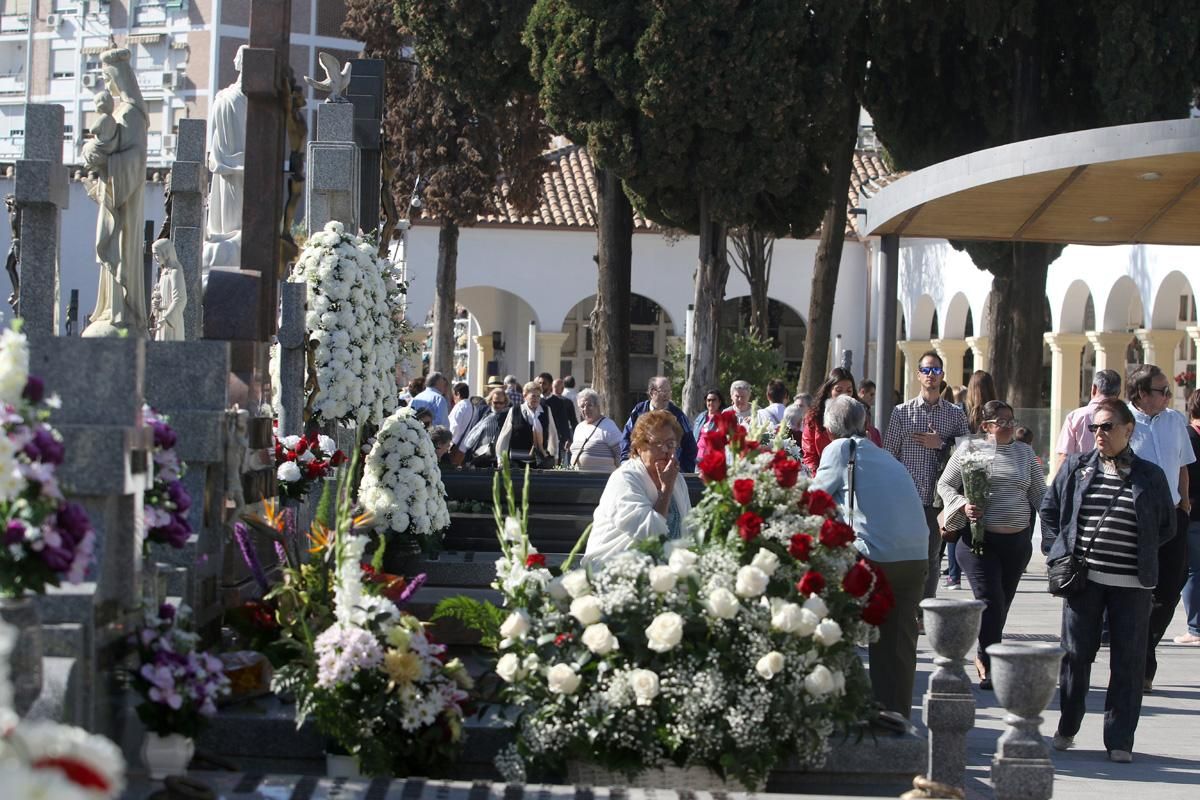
(568, 196)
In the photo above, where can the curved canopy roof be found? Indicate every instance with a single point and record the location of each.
(1127, 184)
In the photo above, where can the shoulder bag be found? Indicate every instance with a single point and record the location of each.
(583, 447)
(1066, 576)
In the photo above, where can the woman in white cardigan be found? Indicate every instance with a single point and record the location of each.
(644, 497)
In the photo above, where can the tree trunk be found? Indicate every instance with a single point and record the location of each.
(754, 250)
(610, 317)
(710, 291)
(828, 261)
(441, 358)
(1020, 301)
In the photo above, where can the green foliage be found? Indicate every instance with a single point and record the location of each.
(478, 615)
(739, 357)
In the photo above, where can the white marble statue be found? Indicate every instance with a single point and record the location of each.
(118, 159)
(227, 162)
(170, 293)
(337, 78)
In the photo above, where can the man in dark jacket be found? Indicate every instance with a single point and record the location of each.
(660, 399)
(563, 412)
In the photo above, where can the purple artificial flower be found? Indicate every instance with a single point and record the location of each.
(15, 532)
(179, 495)
(71, 519)
(410, 589)
(45, 447)
(35, 389)
(166, 611)
(241, 535)
(164, 435)
(58, 559)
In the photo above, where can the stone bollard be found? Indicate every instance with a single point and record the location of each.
(1024, 676)
(952, 627)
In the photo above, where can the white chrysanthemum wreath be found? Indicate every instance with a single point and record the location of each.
(402, 485)
(349, 324)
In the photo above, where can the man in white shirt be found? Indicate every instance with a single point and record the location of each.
(772, 415)
(569, 391)
(1161, 436)
(462, 414)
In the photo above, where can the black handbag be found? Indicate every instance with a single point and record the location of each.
(1066, 576)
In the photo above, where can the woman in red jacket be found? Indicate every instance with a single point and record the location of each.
(814, 437)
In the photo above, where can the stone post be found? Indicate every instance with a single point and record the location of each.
(980, 349)
(332, 189)
(1158, 348)
(485, 349)
(1066, 360)
(366, 92)
(952, 627)
(189, 184)
(549, 352)
(952, 352)
(912, 349)
(1110, 347)
(293, 351)
(1025, 676)
(41, 192)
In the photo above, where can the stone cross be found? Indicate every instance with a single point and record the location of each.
(189, 179)
(41, 193)
(293, 353)
(366, 93)
(332, 190)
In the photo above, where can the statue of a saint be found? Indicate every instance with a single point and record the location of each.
(227, 162)
(169, 298)
(117, 157)
(14, 251)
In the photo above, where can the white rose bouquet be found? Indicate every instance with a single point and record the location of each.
(402, 485)
(351, 326)
(731, 652)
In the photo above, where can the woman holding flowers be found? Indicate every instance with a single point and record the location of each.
(644, 497)
(994, 566)
(889, 529)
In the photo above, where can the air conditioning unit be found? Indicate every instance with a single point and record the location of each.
(54, 20)
(170, 80)
(89, 79)
(168, 141)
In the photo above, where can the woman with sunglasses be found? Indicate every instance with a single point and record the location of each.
(1017, 484)
(1113, 510)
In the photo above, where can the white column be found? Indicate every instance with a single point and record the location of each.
(1066, 359)
(485, 351)
(912, 349)
(952, 352)
(980, 348)
(1158, 348)
(1110, 347)
(549, 352)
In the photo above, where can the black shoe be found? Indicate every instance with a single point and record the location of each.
(985, 684)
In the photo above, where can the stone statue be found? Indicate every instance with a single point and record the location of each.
(117, 157)
(170, 293)
(337, 78)
(227, 162)
(14, 251)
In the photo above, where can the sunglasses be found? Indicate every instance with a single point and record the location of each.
(1101, 426)
(1164, 391)
(929, 370)
(1002, 423)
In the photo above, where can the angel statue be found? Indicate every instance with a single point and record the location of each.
(337, 78)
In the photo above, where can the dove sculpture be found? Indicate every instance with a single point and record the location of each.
(337, 78)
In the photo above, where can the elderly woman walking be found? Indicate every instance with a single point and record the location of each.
(890, 530)
(1113, 510)
(597, 443)
(1016, 486)
(645, 496)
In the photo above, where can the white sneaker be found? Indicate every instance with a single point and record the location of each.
(1120, 756)
(1188, 639)
(1060, 742)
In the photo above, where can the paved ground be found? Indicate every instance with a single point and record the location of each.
(1167, 750)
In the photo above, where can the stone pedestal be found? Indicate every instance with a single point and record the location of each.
(41, 192)
(1110, 347)
(332, 189)
(1066, 360)
(292, 358)
(952, 627)
(189, 183)
(1024, 675)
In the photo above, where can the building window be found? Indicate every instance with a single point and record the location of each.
(62, 63)
(14, 8)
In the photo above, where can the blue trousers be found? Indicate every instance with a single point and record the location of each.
(1128, 610)
(1191, 590)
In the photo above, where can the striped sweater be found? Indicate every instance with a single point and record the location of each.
(1017, 484)
(1113, 559)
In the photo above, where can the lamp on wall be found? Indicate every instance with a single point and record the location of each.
(497, 342)
(532, 346)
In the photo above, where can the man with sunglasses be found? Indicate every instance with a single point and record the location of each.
(1160, 435)
(921, 434)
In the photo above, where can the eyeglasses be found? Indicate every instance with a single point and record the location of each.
(1002, 423)
(929, 370)
(669, 444)
(1101, 426)
(1164, 391)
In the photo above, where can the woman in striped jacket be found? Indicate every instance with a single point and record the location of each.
(1017, 484)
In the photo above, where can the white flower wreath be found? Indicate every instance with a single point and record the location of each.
(402, 485)
(350, 325)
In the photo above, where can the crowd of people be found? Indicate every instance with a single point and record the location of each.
(1120, 497)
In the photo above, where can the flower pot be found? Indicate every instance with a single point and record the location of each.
(402, 555)
(338, 765)
(670, 777)
(166, 755)
(25, 662)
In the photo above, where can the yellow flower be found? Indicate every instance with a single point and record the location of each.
(458, 671)
(321, 537)
(399, 638)
(402, 668)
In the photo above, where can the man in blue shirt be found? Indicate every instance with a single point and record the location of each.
(660, 399)
(434, 398)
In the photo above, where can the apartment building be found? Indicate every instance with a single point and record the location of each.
(50, 53)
